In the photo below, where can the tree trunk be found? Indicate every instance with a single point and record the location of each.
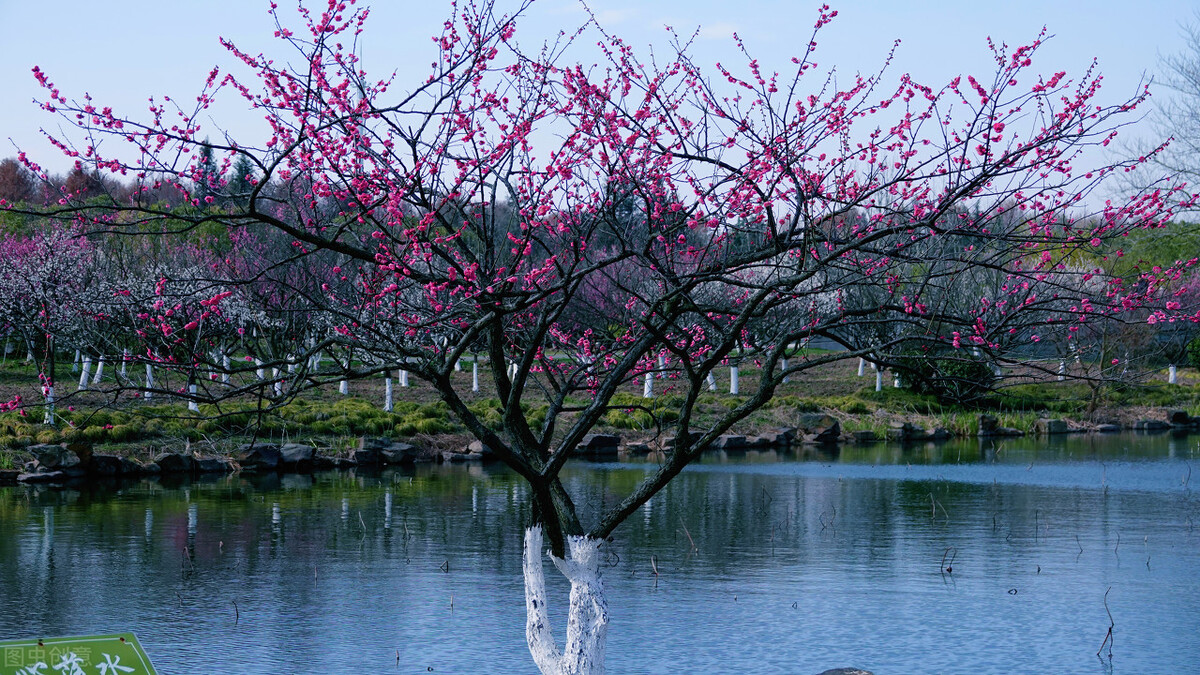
(587, 618)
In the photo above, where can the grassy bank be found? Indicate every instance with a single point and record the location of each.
(135, 427)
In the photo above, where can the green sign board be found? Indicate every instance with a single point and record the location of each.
(88, 655)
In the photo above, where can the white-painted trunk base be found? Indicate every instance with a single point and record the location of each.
(403, 378)
(99, 372)
(861, 366)
(712, 382)
(192, 404)
(878, 380)
(343, 387)
(387, 395)
(587, 617)
(86, 376)
(783, 365)
(1172, 375)
(648, 386)
(48, 418)
(475, 375)
(149, 382)
(734, 384)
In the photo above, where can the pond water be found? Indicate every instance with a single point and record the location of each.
(767, 563)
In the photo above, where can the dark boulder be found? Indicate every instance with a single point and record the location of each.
(1178, 418)
(296, 456)
(906, 432)
(599, 445)
(174, 462)
(730, 443)
(400, 453)
(636, 449)
(819, 428)
(259, 456)
(1048, 427)
(104, 465)
(54, 457)
(43, 477)
(214, 465)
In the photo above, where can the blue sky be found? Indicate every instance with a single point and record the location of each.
(126, 50)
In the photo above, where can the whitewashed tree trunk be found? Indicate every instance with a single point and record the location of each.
(648, 386)
(783, 365)
(662, 366)
(99, 371)
(1062, 370)
(277, 384)
(343, 388)
(387, 395)
(475, 375)
(258, 369)
(124, 364)
(587, 617)
(75, 363)
(48, 418)
(896, 381)
(149, 381)
(861, 366)
(734, 385)
(878, 380)
(1172, 374)
(403, 378)
(225, 369)
(86, 375)
(193, 405)
(712, 381)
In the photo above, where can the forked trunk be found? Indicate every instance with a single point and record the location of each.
(587, 619)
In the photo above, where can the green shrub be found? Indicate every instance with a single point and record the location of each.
(1193, 353)
(949, 375)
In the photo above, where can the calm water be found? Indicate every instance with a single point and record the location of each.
(797, 565)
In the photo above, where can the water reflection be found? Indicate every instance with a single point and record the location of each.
(764, 564)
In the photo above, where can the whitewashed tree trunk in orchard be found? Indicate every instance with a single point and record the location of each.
(861, 366)
(387, 395)
(343, 387)
(48, 418)
(124, 362)
(193, 405)
(225, 369)
(99, 371)
(1172, 375)
(783, 365)
(75, 363)
(85, 376)
(662, 366)
(403, 378)
(587, 617)
(734, 385)
(149, 381)
(712, 382)
(277, 382)
(878, 380)
(258, 369)
(648, 386)
(475, 375)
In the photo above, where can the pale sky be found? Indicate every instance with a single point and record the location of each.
(123, 51)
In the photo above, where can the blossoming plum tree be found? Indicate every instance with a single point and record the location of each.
(587, 225)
